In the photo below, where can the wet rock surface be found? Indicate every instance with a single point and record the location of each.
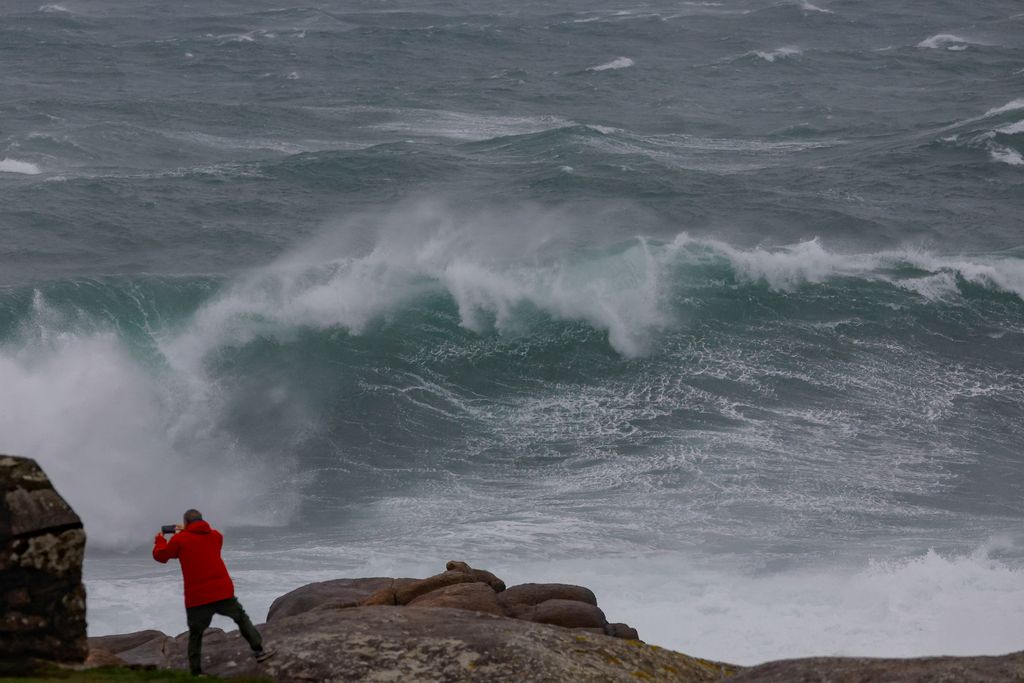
(42, 544)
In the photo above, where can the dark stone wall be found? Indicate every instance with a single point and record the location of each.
(42, 543)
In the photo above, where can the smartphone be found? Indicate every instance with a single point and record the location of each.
(169, 529)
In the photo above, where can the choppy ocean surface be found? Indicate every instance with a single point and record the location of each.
(715, 307)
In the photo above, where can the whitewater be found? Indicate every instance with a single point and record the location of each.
(716, 308)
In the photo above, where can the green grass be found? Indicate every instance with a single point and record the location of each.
(118, 675)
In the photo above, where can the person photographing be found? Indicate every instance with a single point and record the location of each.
(208, 586)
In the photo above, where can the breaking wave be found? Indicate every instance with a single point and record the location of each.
(780, 53)
(618, 63)
(227, 386)
(20, 167)
(946, 41)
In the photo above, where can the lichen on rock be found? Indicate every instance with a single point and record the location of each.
(42, 544)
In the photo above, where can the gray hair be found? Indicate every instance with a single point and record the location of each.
(193, 516)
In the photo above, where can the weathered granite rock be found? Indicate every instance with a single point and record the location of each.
(123, 642)
(439, 645)
(330, 594)
(568, 614)
(529, 594)
(619, 630)
(143, 648)
(865, 670)
(42, 543)
(459, 587)
(478, 597)
(480, 575)
(403, 594)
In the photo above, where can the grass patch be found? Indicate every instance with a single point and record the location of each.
(117, 674)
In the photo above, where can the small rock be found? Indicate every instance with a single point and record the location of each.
(620, 630)
(480, 575)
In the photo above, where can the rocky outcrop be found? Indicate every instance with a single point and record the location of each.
(476, 597)
(460, 625)
(337, 593)
(866, 670)
(391, 643)
(460, 587)
(42, 543)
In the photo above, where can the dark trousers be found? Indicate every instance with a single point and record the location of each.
(199, 619)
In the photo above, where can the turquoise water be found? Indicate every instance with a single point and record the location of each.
(723, 296)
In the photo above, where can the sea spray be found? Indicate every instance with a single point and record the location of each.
(126, 443)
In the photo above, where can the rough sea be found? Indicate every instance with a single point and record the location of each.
(714, 307)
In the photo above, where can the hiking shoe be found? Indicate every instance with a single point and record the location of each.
(264, 655)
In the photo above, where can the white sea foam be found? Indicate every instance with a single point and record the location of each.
(1006, 155)
(780, 53)
(21, 167)
(465, 126)
(1012, 105)
(425, 249)
(928, 605)
(944, 40)
(1012, 129)
(787, 267)
(54, 9)
(808, 7)
(938, 287)
(617, 63)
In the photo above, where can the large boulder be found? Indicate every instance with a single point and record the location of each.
(568, 614)
(330, 594)
(529, 594)
(438, 645)
(42, 543)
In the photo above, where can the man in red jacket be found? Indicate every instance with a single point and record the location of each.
(208, 587)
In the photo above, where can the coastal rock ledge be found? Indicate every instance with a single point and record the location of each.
(459, 625)
(389, 643)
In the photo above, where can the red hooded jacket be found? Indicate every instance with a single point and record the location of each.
(198, 550)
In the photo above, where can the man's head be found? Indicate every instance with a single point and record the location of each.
(192, 516)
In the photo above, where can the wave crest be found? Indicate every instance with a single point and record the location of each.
(618, 63)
